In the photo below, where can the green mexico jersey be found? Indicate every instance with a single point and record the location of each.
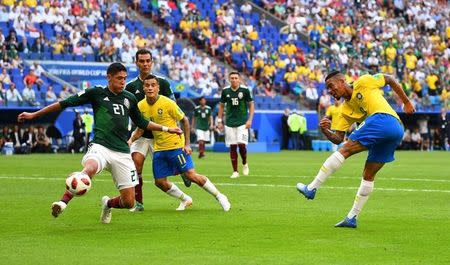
(202, 117)
(136, 87)
(111, 115)
(236, 105)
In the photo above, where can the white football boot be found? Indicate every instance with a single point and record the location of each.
(186, 202)
(235, 175)
(245, 170)
(223, 200)
(105, 217)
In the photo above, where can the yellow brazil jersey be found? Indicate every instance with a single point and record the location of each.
(431, 81)
(367, 99)
(333, 113)
(167, 113)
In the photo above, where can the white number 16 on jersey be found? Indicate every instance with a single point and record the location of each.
(234, 101)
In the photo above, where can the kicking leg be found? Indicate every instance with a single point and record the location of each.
(138, 160)
(90, 168)
(333, 163)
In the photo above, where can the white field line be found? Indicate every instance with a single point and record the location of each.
(241, 185)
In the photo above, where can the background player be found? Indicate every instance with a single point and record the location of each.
(109, 150)
(380, 131)
(144, 145)
(239, 116)
(172, 152)
(202, 122)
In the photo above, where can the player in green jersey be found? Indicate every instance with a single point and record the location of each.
(113, 107)
(143, 147)
(202, 123)
(239, 108)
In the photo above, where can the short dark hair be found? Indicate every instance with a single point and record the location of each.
(151, 76)
(143, 51)
(234, 73)
(116, 67)
(201, 97)
(333, 73)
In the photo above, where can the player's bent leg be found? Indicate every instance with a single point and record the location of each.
(172, 190)
(138, 160)
(125, 200)
(208, 186)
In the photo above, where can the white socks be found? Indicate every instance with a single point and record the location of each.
(333, 163)
(362, 195)
(174, 191)
(209, 187)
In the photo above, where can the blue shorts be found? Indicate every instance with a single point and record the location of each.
(171, 162)
(381, 133)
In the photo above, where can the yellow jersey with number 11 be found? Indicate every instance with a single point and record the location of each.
(367, 99)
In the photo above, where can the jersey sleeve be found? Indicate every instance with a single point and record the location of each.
(371, 81)
(175, 111)
(223, 97)
(136, 116)
(83, 97)
(248, 97)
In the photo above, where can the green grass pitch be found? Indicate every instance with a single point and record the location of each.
(405, 221)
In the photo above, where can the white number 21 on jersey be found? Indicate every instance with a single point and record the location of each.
(118, 109)
(234, 101)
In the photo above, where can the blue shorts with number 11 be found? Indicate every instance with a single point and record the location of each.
(171, 162)
(381, 133)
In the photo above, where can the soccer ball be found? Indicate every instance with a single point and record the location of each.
(78, 183)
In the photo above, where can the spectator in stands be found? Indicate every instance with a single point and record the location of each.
(416, 139)
(126, 56)
(42, 144)
(311, 96)
(246, 8)
(2, 95)
(324, 102)
(28, 140)
(29, 96)
(50, 95)
(65, 93)
(422, 122)
(4, 77)
(5, 136)
(31, 78)
(37, 69)
(12, 95)
(38, 45)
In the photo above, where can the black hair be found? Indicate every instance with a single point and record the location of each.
(201, 97)
(234, 73)
(143, 51)
(151, 76)
(333, 73)
(116, 67)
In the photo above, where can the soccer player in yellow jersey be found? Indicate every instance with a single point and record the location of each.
(172, 155)
(380, 131)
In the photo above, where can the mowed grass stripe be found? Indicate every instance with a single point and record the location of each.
(243, 185)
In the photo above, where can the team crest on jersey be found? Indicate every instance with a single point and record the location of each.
(240, 95)
(359, 96)
(160, 111)
(126, 102)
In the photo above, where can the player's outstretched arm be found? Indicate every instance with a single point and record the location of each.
(157, 127)
(187, 136)
(335, 137)
(32, 115)
(408, 106)
(136, 134)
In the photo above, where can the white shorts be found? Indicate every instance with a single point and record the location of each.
(119, 164)
(236, 135)
(203, 135)
(144, 146)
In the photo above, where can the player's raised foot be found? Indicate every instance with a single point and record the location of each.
(58, 207)
(245, 170)
(347, 222)
(105, 217)
(187, 182)
(224, 202)
(138, 207)
(303, 189)
(235, 175)
(186, 202)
